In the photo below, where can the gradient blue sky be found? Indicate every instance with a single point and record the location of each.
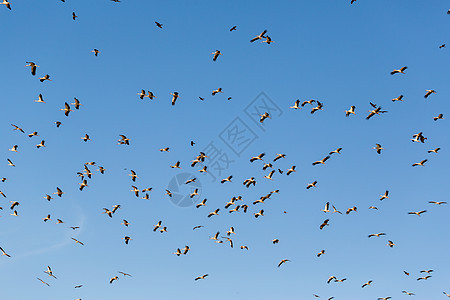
(338, 53)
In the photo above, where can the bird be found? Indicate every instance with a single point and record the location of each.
(216, 54)
(318, 107)
(7, 4)
(401, 70)
(259, 37)
(354, 208)
(442, 46)
(326, 208)
(418, 137)
(50, 272)
(390, 244)
(308, 102)
(367, 283)
(399, 98)
(231, 231)
(159, 24)
(427, 271)
(313, 184)
(123, 140)
(174, 97)
(376, 234)
(77, 242)
(331, 278)
(77, 103)
(420, 163)
(275, 241)
(203, 203)
(158, 225)
(259, 157)
(270, 175)
(378, 148)
(176, 165)
(113, 279)
(127, 239)
(47, 218)
(17, 128)
(214, 213)
(385, 195)
(42, 144)
(34, 133)
(376, 111)
(66, 109)
(249, 182)
(437, 203)
(58, 192)
(439, 117)
(322, 252)
(219, 90)
(244, 247)
(321, 161)
(325, 223)
(194, 193)
(448, 295)
(86, 138)
(125, 274)
(14, 204)
(10, 163)
(418, 213)
(259, 214)
(83, 184)
(14, 148)
(74, 16)
(201, 277)
(424, 278)
(150, 95)
(428, 93)
(228, 179)
(30, 64)
(351, 111)
(408, 293)
(142, 94)
(96, 52)
(282, 262)
(44, 78)
(263, 117)
(291, 170)
(4, 253)
(43, 281)
(133, 175)
(279, 156)
(58, 124)
(296, 105)
(338, 151)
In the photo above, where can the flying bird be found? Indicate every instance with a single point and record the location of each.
(401, 70)
(259, 37)
(216, 54)
(428, 93)
(32, 65)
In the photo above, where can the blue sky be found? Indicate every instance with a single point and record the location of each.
(331, 51)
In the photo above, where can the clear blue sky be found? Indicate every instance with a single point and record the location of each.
(327, 50)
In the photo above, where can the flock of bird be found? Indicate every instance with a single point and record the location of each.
(236, 204)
